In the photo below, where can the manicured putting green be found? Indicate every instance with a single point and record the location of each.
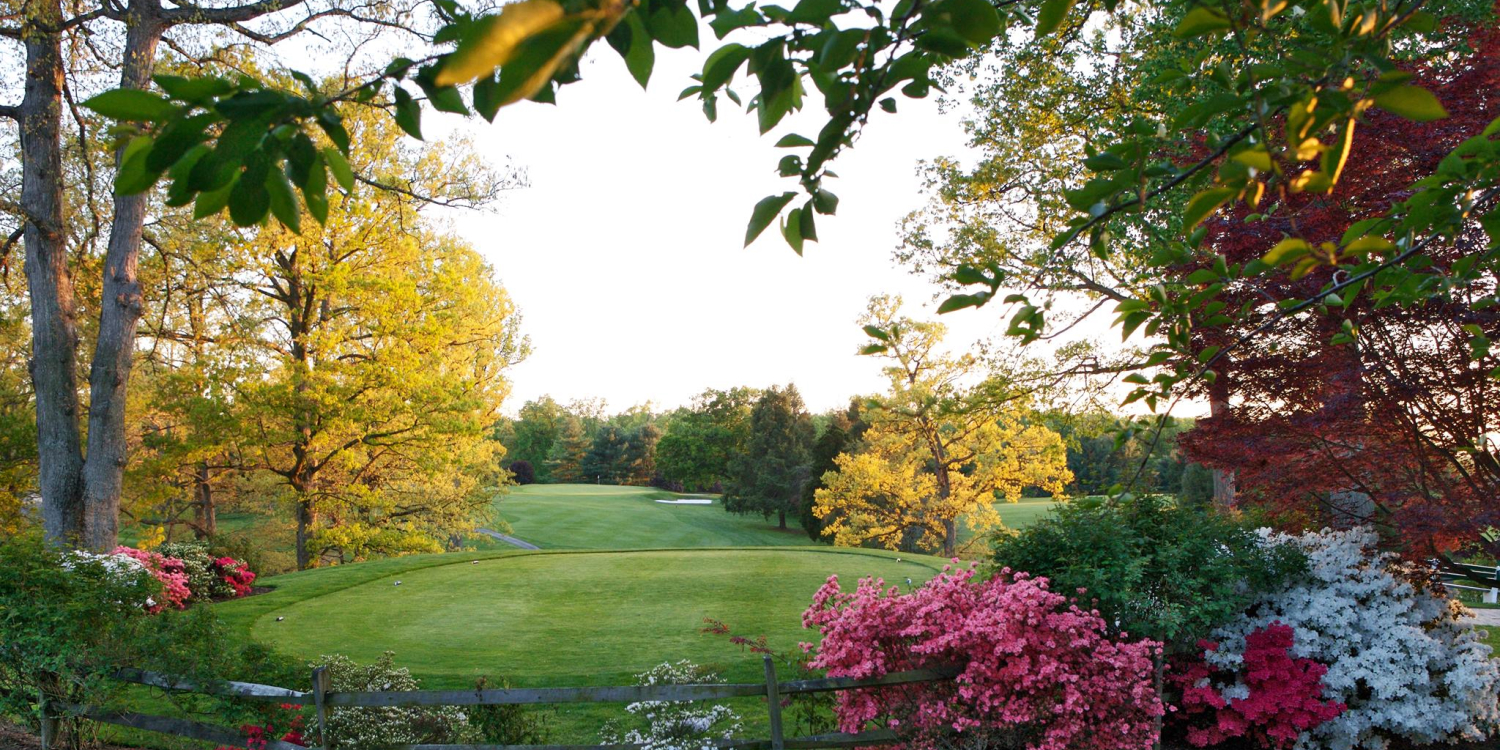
(586, 516)
(574, 618)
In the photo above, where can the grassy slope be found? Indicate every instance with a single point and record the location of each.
(557, 618)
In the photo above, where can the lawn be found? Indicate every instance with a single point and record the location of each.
(587, 516)
(559, 618)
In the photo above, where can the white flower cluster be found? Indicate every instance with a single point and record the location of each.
(676, 725)
(123, 569)
(1398, 657)
(388, 725)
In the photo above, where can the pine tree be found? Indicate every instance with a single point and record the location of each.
(565, 461)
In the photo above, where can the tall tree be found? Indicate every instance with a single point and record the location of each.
(534, 432)
(938, 448)
(565, 461)
(700, 444)
(768, 478)
(844, 430)
(605, 461)
(71, 51)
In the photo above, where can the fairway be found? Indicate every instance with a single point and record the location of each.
(587, 516)
(570, 618)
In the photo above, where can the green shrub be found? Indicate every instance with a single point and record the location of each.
(1153, 568)
(510, 724)
(68, 620)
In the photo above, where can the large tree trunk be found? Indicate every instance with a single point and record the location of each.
(120, 310)
(781, 519)
(54, 334)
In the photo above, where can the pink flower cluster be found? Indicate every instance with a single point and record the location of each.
(234, 573)
(1275, 699)
(258, 736)
(1032, 664)
(170, 571)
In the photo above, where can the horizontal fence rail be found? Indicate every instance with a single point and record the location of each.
(322, 698)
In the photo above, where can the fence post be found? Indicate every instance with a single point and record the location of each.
(1492, 596)
(49, 724)
(320, 683)
(773, 704)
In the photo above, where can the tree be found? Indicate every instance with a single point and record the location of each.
(605, 461)
(701, 442)
(1383, 427)
(937, 449)
(638, 459)
(534, 433)
(522, 472)
(842, 432)
(383, 347)
(769, 476)
(569, 451)
(71, 52)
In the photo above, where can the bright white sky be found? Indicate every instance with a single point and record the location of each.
(625, 253)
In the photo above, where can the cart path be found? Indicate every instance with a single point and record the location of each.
(508, 539)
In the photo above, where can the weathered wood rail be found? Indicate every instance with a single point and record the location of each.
(322, 698)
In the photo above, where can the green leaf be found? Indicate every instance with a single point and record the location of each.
(961, 301)
(792, 140)
(134, 175)
(443, 98)
(494, 41)
(283, 201)
(966, 275)
(825, 202)
(1204, 203)
(888, 104)
(875, 332)
(249, 201)
(195, 90)
(211, 202)
(640, 57)
(131, 105)
(1202, 276)
(1199, 21)
(671, 23)
(975, 20)
(1412, 102)
(1051, 15)
(791, 229)
(765, 211)
(408, 113)
(722, 64)
(1286, 251)
(342, 173)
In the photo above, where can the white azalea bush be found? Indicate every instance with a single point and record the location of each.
(675, 725)
(1398, 656)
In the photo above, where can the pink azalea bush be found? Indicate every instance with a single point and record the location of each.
(170, 571)
(1272, 700)
(1034, 668)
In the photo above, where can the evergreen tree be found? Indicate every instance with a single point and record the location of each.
(769, 477)
(638, 461)
(565, 461)
(834, 440)
(605, 461)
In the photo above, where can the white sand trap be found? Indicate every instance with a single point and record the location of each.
(688, 501)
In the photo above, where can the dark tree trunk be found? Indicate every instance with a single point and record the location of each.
(54, 334)
(781, 519)
(120, 310)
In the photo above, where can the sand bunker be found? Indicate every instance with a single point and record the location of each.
(688, 501)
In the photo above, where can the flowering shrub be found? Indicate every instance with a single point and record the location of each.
(1397, 655)
(209, 577)
(1036, 670)
(257, 736)
(234, 574)
(675, 725)
(170, 571)
(1273, 701)
(387, 725)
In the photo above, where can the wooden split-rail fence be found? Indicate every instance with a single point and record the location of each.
(323, 699)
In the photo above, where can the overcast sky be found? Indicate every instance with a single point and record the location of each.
(625, 254)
